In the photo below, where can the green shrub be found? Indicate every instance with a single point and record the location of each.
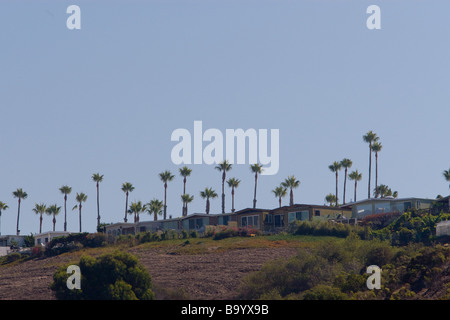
(113, 276)
(380, 256)
(150, 237)
(14, 256)
(324, 292)
(29, 241)
(325, 228)
(193, 234)
(94, 240)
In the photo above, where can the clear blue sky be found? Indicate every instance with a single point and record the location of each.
(106, 98)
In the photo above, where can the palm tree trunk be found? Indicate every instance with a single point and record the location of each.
(184, 210)
(376, 171)
(370, 169)
(345, 184)
(40, 223)
(356, 185)
(223, 191)
(232, 199)
(254, 196)
(291, 198)
(54, 222)
(337, 189)
(207, 205)
(65, 212)
(165, 201)
(126, 207)
(18, 214)
(80, 215)
(279, 201)
(98, 207)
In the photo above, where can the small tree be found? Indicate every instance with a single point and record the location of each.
(113, 276)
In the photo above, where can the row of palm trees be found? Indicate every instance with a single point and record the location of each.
(156, 207)
(41, 208)
(375, 147)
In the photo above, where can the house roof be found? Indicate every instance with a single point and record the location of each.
(303, 205)
(349, 205)
(247, 210)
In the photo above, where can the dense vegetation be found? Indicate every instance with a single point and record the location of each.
(336, 270)
(114, 276)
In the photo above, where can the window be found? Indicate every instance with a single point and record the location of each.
(406, 206)
(225, 220)
(299, 215)
(250, 221)
(269, 218)
(317, 213)
(278, 218)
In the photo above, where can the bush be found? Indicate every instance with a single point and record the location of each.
(29, 241)
(225, 232)
(37, 251)
(15, 256)
(149, 237)
(194, 234)
(324, 292)
(94, 240)
(114, 276)
(325, 228)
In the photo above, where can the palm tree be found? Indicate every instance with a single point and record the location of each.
(207, 194)
(127, 187)
(65, 190)
(224, 166)
(19, 194)
(165, 177)
(97, 177)
(291, 183)
(280, 192)
(40, 209)
(3, 207)
(346, 163)
(376, 147)
(446, 175)
(335, 167)
(355, 176)
(256, 168)
(382, 190)
(184, 172)
(53, 210)
(80, 198)
(155, 207)
(186, 198)
(136, 208)
(370, 137)
(233, 183)
(330, 198)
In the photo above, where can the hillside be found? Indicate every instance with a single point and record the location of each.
(268, 267)
(205, 269)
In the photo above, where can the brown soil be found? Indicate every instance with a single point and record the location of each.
(210, 276)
